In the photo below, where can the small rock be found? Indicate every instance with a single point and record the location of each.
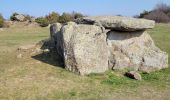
(46, 50)
(37, 50)
(19, 55)
(26, 47)
(1, 29)
(38, 62)
(134, 75)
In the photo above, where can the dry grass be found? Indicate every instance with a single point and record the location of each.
(31, 79)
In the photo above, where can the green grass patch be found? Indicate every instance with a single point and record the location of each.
(25, 79)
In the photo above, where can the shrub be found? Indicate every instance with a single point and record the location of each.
(66, 17)
(53, 17)
(28, 18)
(43, 22)
(6, 24)
(1, 21)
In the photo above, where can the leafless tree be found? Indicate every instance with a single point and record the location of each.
(163, 7)
(159, 16)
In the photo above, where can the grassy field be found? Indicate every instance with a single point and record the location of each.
(28, 79)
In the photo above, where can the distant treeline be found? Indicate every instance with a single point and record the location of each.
(55, 17)
(1, 21)
(161, 13)
(45, 20)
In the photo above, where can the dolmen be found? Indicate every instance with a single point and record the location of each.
(99, 43)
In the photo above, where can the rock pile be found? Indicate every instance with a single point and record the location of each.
(19, 17)
(96, 44)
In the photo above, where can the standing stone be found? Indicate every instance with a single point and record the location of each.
(135, 50)
(54, 29)
(85, 48)
(57, 40)
(154, 60)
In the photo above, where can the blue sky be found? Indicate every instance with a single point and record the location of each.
(87, 7)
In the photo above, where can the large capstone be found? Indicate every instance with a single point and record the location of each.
(118, 22)
(135, 50)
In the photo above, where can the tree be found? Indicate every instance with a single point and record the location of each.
(1, 21)
(162, 7)
(160, 14)
(53, 17)
(66, 17)
(144, 13)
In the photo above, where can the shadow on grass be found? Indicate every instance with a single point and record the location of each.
(49, 58)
